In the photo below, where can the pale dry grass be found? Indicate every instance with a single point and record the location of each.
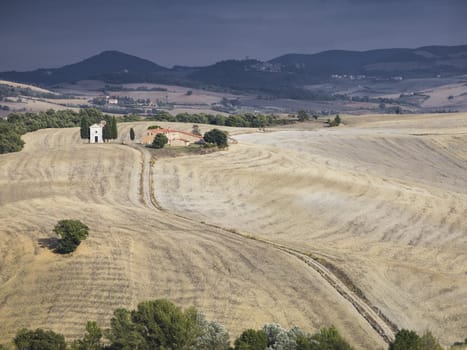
(136, 252)
(384, 198)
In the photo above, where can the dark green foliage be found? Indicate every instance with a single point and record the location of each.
(151, 127)
(336, 121)
(160, 325)
(84, 128)
(248, 120)
(303, 116)
(39, 340)
(429, 342)
(124, 333)
(157, 324)
(217, 137)
(405, 340)
(18, 124)
(252, 340)
(330, 339)
(409, 340)
(113, 128)
(71, 233)
(160, 140)
(132, 134)
(91, 340)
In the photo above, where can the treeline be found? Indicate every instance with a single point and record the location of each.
(246, 120)
(18, 124)
(159, 324)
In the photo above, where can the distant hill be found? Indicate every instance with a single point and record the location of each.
(108, 64)
(283, 76)
(423, 62)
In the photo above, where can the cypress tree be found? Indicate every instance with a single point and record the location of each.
(113, 128)
(84, 131)
(132, 134)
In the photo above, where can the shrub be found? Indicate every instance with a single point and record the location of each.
(405, 340)
(252, 340)
(160, 141)
(39, 340)
(71, 233)
(217, 137)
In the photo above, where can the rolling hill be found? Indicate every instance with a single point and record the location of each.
(284, 72)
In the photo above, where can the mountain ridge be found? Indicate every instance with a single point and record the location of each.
(285, 71)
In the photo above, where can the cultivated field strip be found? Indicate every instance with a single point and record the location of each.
(383, 201)
(136, 252)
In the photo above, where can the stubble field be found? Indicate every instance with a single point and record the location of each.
(137, 251)
(383, 198)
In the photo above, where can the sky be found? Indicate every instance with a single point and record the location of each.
(52, 33)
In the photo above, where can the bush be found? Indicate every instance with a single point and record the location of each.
(157, 324)
(71, 233)
(39, 340)
(160, 141)
(330, 339)
(217, 137)
(405, 340)
(252, 340)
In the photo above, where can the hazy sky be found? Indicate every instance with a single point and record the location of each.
(50, 33)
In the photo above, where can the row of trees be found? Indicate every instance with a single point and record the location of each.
(159, 324)
(18, 124)
(248, 120)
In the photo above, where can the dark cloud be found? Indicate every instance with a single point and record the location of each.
(50, 33)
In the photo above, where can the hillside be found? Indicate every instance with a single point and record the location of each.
(136, 251)
(383, 198)
(106, 65)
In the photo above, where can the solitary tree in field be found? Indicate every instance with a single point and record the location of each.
(132, 134)
(71, 233)
(160, 141)
(217, 137)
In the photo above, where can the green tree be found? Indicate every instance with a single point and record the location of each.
(217, 137)
(84, 128)
(429, 342)
(251, 339)
(303, 116)
(405, 340)
(124, 333)
(71, 233)
(106, 132)
(113, 128)
(39, 339)
(160, 141)
(91, 340)
(164, 325)
(132, 134)
(330, 339)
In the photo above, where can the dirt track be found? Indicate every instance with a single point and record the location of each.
(136, 252)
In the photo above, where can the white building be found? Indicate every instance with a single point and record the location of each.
(95, 132)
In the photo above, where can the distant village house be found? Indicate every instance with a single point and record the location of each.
(175, 137)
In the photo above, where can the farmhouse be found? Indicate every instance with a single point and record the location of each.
(175, 137)
(96, 132)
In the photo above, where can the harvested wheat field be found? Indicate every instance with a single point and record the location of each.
(136, 251)
(381, 201)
